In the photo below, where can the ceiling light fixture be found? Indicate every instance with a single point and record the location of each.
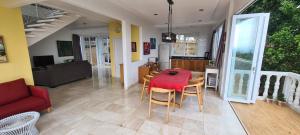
(201, 10)
(169, 37)
(170, 19)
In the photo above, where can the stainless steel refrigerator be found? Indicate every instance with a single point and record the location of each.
(164, 55)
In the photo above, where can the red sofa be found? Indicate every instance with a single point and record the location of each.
(17, 97)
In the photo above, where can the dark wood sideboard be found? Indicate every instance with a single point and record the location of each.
(146, 69)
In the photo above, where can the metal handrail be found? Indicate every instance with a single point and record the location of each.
(34, 12)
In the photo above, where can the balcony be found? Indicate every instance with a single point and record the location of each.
(270, 118)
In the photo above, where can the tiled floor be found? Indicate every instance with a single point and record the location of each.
(80, 109)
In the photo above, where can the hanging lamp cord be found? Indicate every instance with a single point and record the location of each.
(170, 19)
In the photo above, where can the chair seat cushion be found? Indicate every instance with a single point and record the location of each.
(27, 104)
(13, 91)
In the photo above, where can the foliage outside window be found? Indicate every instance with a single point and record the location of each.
(282, 50)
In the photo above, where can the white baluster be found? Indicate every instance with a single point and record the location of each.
(292, 91)
(276, 87)
(297, 95)
(287, 86)
(267, 84)
(241, 84)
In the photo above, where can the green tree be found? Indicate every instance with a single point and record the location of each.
(282, 52)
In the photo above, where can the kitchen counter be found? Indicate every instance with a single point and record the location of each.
(189, 63)
(189, 58)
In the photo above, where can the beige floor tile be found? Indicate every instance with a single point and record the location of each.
(83, 108)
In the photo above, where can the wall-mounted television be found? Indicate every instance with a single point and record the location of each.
(42, 61)
(64, 48)
(168, 37)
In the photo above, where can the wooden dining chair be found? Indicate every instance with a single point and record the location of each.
(154, 73)
(194, 89)
(147, 79)
(162, 97)
(196, 79)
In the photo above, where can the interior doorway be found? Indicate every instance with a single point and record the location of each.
(95, 49)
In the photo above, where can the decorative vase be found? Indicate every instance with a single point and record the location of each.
(281, 103)
(268, 100)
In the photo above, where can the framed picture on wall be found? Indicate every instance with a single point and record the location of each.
(3, 55)
(153, 42)
(133, 47)
(64, 48)
(146, 48)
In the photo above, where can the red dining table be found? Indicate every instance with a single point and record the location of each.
(166, 81)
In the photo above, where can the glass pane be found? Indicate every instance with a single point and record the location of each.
(191, 49)
(179, 49)
(242, 56)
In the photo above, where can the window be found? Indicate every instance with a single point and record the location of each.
(185, 46)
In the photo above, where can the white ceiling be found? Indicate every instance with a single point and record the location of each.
(185, 12)
(87, 22)
(88, 18)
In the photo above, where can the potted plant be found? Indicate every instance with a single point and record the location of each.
(269, 99)
(280, 99)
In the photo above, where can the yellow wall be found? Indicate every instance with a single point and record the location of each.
(135, 37)
(114, 31)
(12, 30)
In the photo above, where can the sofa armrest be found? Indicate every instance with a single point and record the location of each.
(40, 92)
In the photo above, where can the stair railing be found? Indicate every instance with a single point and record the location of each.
(34, 12)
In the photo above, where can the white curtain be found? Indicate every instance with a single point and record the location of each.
(100, 57)
(216, 42)
(82, 46)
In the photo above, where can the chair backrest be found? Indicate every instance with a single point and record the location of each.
(198, 79)
(161, 90)
(154, 73)
(199, 82)
(148, 77)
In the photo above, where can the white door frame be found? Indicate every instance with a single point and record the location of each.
(257, 58)
(118, 55)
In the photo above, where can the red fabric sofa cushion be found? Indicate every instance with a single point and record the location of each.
(13, 91)
(27, 104)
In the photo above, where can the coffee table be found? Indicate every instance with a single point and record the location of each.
(20, 124)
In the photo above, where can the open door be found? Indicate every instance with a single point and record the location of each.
(246, 48)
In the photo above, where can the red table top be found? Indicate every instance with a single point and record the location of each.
(166, 81)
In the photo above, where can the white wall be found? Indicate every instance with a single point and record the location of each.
(202, 33)
(48, 45)
(89, 31)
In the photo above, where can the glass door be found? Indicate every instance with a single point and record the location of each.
(247, 42)
(95, 49)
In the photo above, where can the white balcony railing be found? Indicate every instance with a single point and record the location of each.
(290, 87)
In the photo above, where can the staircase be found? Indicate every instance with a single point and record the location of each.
(38, 28)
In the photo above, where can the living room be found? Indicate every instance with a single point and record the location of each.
(111, 102)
